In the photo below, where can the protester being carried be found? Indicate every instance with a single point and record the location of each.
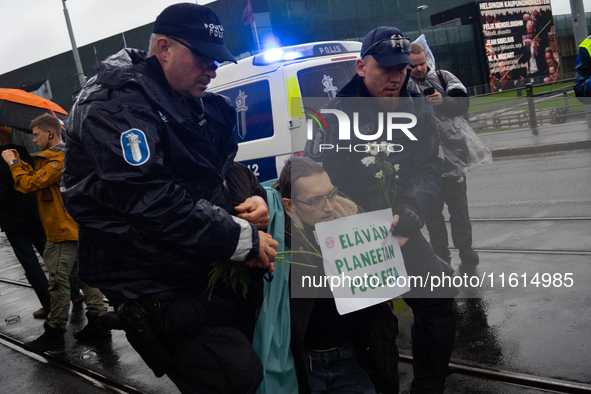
(327, 346)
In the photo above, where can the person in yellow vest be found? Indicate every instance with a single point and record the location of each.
(583, 69)
(61, 251)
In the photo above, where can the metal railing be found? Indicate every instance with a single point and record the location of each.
(520, 112)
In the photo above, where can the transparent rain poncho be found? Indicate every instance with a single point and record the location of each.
(461, 146)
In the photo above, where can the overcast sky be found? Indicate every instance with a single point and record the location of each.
(36, 29)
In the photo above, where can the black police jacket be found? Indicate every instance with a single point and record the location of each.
(144, 178)
(420, 162)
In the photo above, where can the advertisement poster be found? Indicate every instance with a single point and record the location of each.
(362, 254)
(520, 43)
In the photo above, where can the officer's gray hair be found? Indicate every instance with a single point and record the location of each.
(152, 47)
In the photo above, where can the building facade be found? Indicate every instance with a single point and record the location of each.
(458, 47)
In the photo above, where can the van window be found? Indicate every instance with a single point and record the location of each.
(254, 117)
(325, 80)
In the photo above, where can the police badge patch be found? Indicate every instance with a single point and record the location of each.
(135, 147)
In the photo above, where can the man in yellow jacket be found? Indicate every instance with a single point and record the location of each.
(61, 252)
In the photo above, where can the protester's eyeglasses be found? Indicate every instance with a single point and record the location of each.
(394, 44)
(211, 67)
(320, 202)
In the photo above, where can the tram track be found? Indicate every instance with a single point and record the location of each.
(541, 219)
(91, 377)
(515, 378)
(476, 371)
(529, 251)
(532, 251)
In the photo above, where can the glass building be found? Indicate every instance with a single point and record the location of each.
(452, 29)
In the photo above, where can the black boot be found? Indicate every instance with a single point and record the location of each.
(444, 255)
(93, 329)
(469, 257)
(51, 339)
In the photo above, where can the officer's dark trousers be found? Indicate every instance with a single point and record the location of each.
(434, 327)
(215, 360)
(453, 193)
(207, 354)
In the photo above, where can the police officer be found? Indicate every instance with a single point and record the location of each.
(380, 86)
(449, 99)
(148, 151)
(583, 69)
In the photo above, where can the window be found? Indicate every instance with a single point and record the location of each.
(254, 117)
(325, 80)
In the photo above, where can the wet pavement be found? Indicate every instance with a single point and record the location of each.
(560, 137)
(111, 357)
(541, 333)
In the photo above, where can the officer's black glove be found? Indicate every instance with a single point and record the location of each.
(409, 222)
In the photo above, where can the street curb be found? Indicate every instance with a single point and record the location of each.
(541, 148)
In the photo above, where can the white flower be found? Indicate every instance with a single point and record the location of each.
(396, 177)
(384, 145)
(379, 175)
(368, 160)
(374, 148)
(396, 167)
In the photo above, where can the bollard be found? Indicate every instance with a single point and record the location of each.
(532, 108)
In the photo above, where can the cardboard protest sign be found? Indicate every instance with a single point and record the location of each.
(362, 255)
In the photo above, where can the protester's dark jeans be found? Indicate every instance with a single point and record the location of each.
(453, 193)
(434, 327)
(337, 371)
(22, 245)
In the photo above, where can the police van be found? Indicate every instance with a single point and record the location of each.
(273, 92)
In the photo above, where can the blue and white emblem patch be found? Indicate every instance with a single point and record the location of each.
(135, 147)
(164, 119)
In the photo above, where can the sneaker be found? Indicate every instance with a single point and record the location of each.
(51, 339)
(93, 329)
(78, 299)
(40, 314)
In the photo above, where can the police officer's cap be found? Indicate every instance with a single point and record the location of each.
(387, 45)
(197, 24)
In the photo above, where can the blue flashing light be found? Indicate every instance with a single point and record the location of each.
(292, 55)
(302, 51)
(273, 55)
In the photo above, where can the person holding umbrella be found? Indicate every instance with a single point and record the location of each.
(20, 223)
(61, 251)
(19, 220)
